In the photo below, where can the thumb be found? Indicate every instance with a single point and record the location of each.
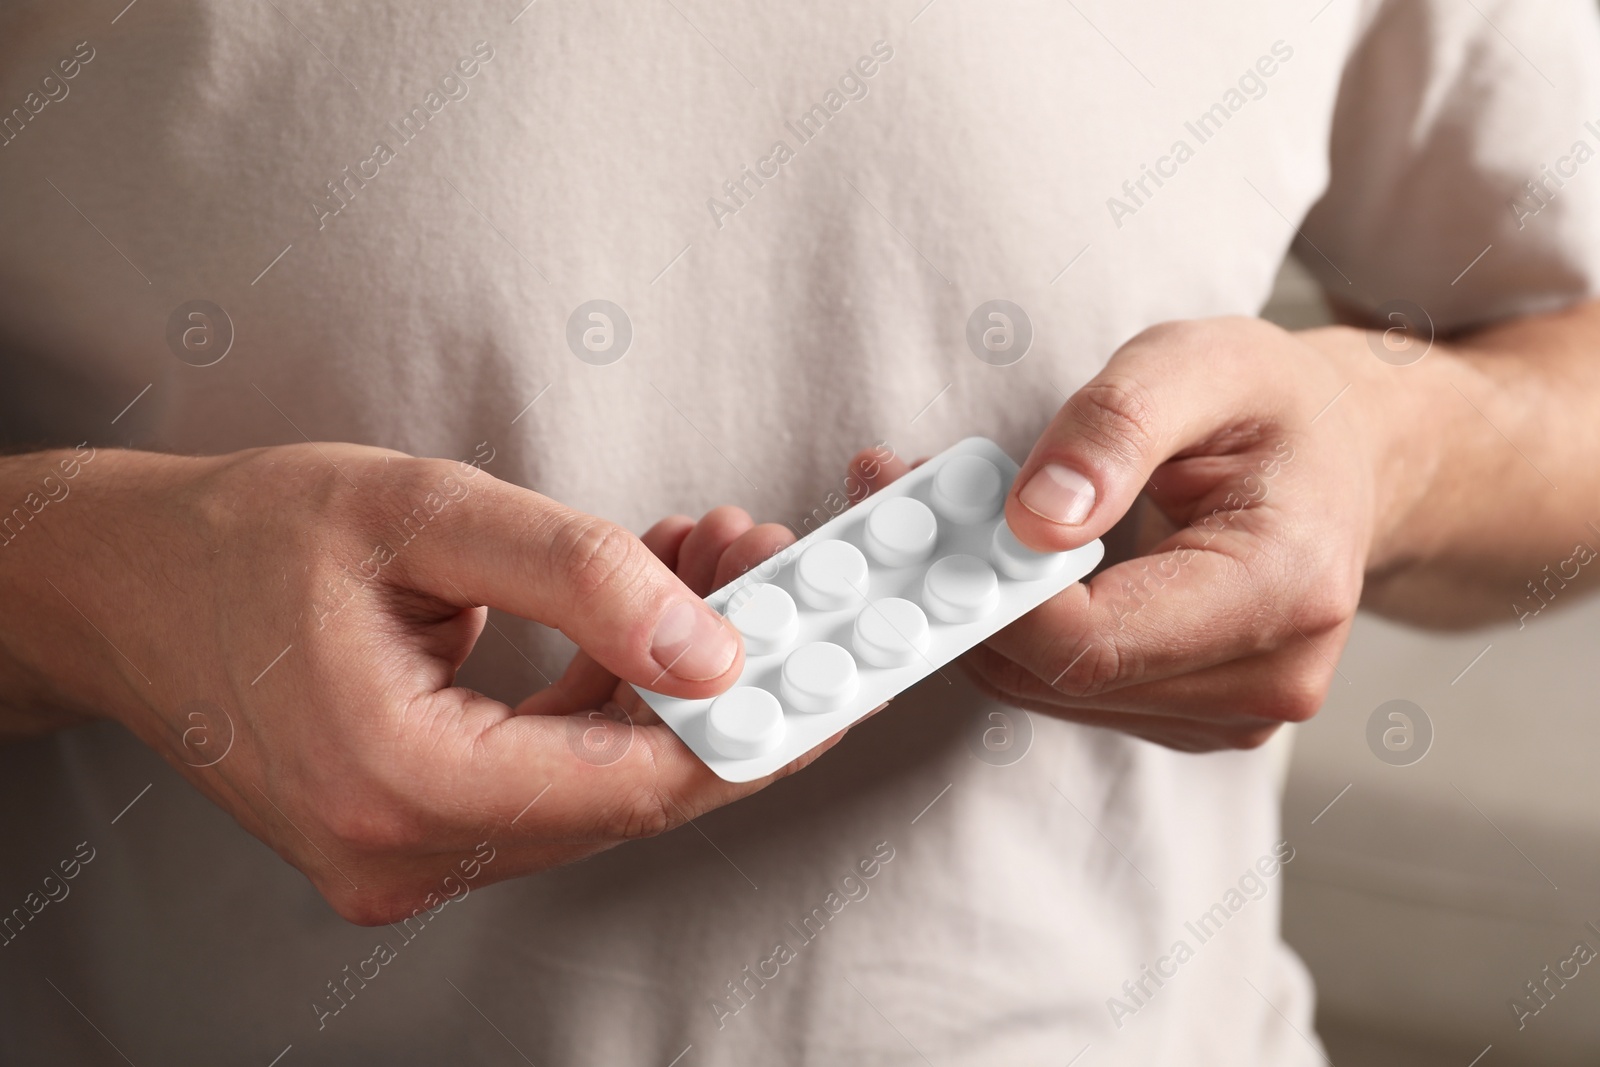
(1157, 397)
(525, 554)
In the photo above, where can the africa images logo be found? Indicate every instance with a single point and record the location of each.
(852, 86)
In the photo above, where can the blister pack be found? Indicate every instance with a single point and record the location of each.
(867, 605)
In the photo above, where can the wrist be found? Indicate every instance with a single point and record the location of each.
(1401, 415)
(78, 546)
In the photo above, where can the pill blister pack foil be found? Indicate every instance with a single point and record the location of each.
(867, 605)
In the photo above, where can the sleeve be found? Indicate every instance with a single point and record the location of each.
(1464, 162)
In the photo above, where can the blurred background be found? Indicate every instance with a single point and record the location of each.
(1432, 890)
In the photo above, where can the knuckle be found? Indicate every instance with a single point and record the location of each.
(1220, 334)
(1303, 704)
(1096, 671)
(642, 813)
(1164, 334)
(1193, 743)
(1326, 606)
(980, 670)
(414, 494)
(597, 558)
(983, 685)
(413, 476)
(1330, 593)
(1118, 417)
(1253, 737)
(726, 517)
(1001, 674)
(1301, 698)
(1016, 680)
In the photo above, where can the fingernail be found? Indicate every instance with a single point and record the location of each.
(692, 642)
(1059, 494)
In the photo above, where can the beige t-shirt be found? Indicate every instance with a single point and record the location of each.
(797, 208)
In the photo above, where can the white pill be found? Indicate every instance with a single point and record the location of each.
(766, 616)
(818, 678)
(891, 633)
(968, 489)
(901, 531)
(960, 589)
(744, 723)
(1019, 562)
(831, 575)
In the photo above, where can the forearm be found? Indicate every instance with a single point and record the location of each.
(65, 555)
(1488, 483)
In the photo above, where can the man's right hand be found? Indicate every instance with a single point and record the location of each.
(320, 599)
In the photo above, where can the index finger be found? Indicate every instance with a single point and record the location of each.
(1200, 600)
(494, 543)
(648, 783)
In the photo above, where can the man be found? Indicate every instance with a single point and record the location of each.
(615, 262)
